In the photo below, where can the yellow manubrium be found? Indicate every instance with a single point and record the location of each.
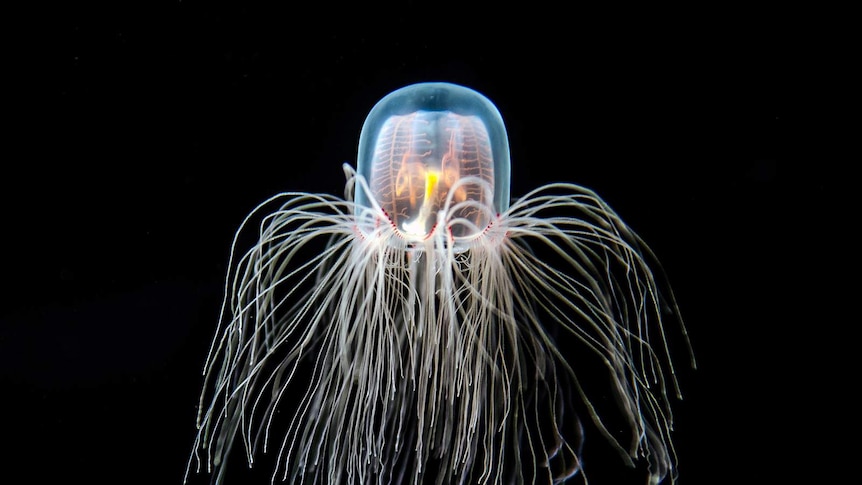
(416, 227)
(431, 178)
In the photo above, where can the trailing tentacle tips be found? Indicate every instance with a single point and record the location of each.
(606, 289)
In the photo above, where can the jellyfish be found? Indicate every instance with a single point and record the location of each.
(420, 329)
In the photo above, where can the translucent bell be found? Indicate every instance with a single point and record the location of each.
(434, 147)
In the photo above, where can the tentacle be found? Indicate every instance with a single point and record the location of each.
(357, 355)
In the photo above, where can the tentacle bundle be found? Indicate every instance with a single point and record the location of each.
(438, 335)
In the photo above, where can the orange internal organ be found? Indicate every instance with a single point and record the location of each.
(420, 157)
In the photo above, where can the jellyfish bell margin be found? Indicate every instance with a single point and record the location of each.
(420, 344)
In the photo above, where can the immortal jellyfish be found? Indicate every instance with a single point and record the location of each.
(421, 328)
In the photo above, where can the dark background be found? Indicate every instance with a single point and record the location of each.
(143, 134)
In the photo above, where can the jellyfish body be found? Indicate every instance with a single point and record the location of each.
(410, 332)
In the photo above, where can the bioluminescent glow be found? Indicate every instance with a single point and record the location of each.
(417, 330)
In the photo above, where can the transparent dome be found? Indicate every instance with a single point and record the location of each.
(435, 146)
